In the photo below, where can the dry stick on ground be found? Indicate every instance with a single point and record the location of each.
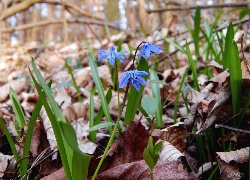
(235, 23)
(28, 3)
(183, 8)
(45, 23)
(231, 128)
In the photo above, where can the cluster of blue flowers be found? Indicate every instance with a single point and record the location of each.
(132, 76)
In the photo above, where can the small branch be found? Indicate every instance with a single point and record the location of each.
(183, 8)
(45, 23)
(231, 128)
(28, 3)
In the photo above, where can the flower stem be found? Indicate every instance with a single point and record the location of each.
(133, 66)
(106, 149)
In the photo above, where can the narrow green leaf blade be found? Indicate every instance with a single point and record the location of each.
(78, 172)
(156, 94)
(98, 84)
(197, 22)
(228, 46)
(17, 108)
(235, 77)
(101, 125)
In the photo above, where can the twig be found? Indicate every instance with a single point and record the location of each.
(45, 23)
(183, 8)
(201, 37)
(231, 128)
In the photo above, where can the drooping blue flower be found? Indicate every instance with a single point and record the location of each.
(148, 48)
(134, 77)
(111, 55)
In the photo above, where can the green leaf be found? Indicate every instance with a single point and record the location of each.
(228, 46)
(79, 158)
(29, 133)
(63, 84)
(74, 81)
(11, 142)
(196, 33)
(102, 125)
(235, 77)
(17, 108)
(134, 96)
(91, 114)
(193, 64)
(149, 104)
(64, 152)
(184, 77)
(100, 113)
(157, 96)
(150, 146)
(98, 84)
(244, 12)
(148, 159)
(157, 148)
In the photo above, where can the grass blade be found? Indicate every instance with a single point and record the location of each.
(184, 77)
(228, 46)
(193, 67)
(17, 108)
(196, 32)
(98, 84)
(99, 115)
(10, 140)
(74, 81)
(59, 138)
(157, 96)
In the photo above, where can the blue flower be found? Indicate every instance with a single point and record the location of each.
(133, 77)
(111, 55)
(148, 48)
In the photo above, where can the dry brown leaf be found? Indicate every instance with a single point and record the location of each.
(4, 162)
(238, 156)
(17, 85)
(9, 121)
(228, 171)
(81, 127)
(75, 111)
(49, 131)
(139, 170)
(58, 175)
(176, 135)
(62, 97)
(169, 152)
(35, 141)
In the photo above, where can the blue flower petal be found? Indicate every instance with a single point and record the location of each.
(147, 53)
(141, 80)
(104, 56)
(153, 49)
(140, 73)
(121, 52)
(119, 57)
(124, 80)
(112, 61)
(136, 85)
(160, 47)
(101, 51)
(142, 51)
(112, 49)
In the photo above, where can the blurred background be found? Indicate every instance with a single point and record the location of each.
(70, 20)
